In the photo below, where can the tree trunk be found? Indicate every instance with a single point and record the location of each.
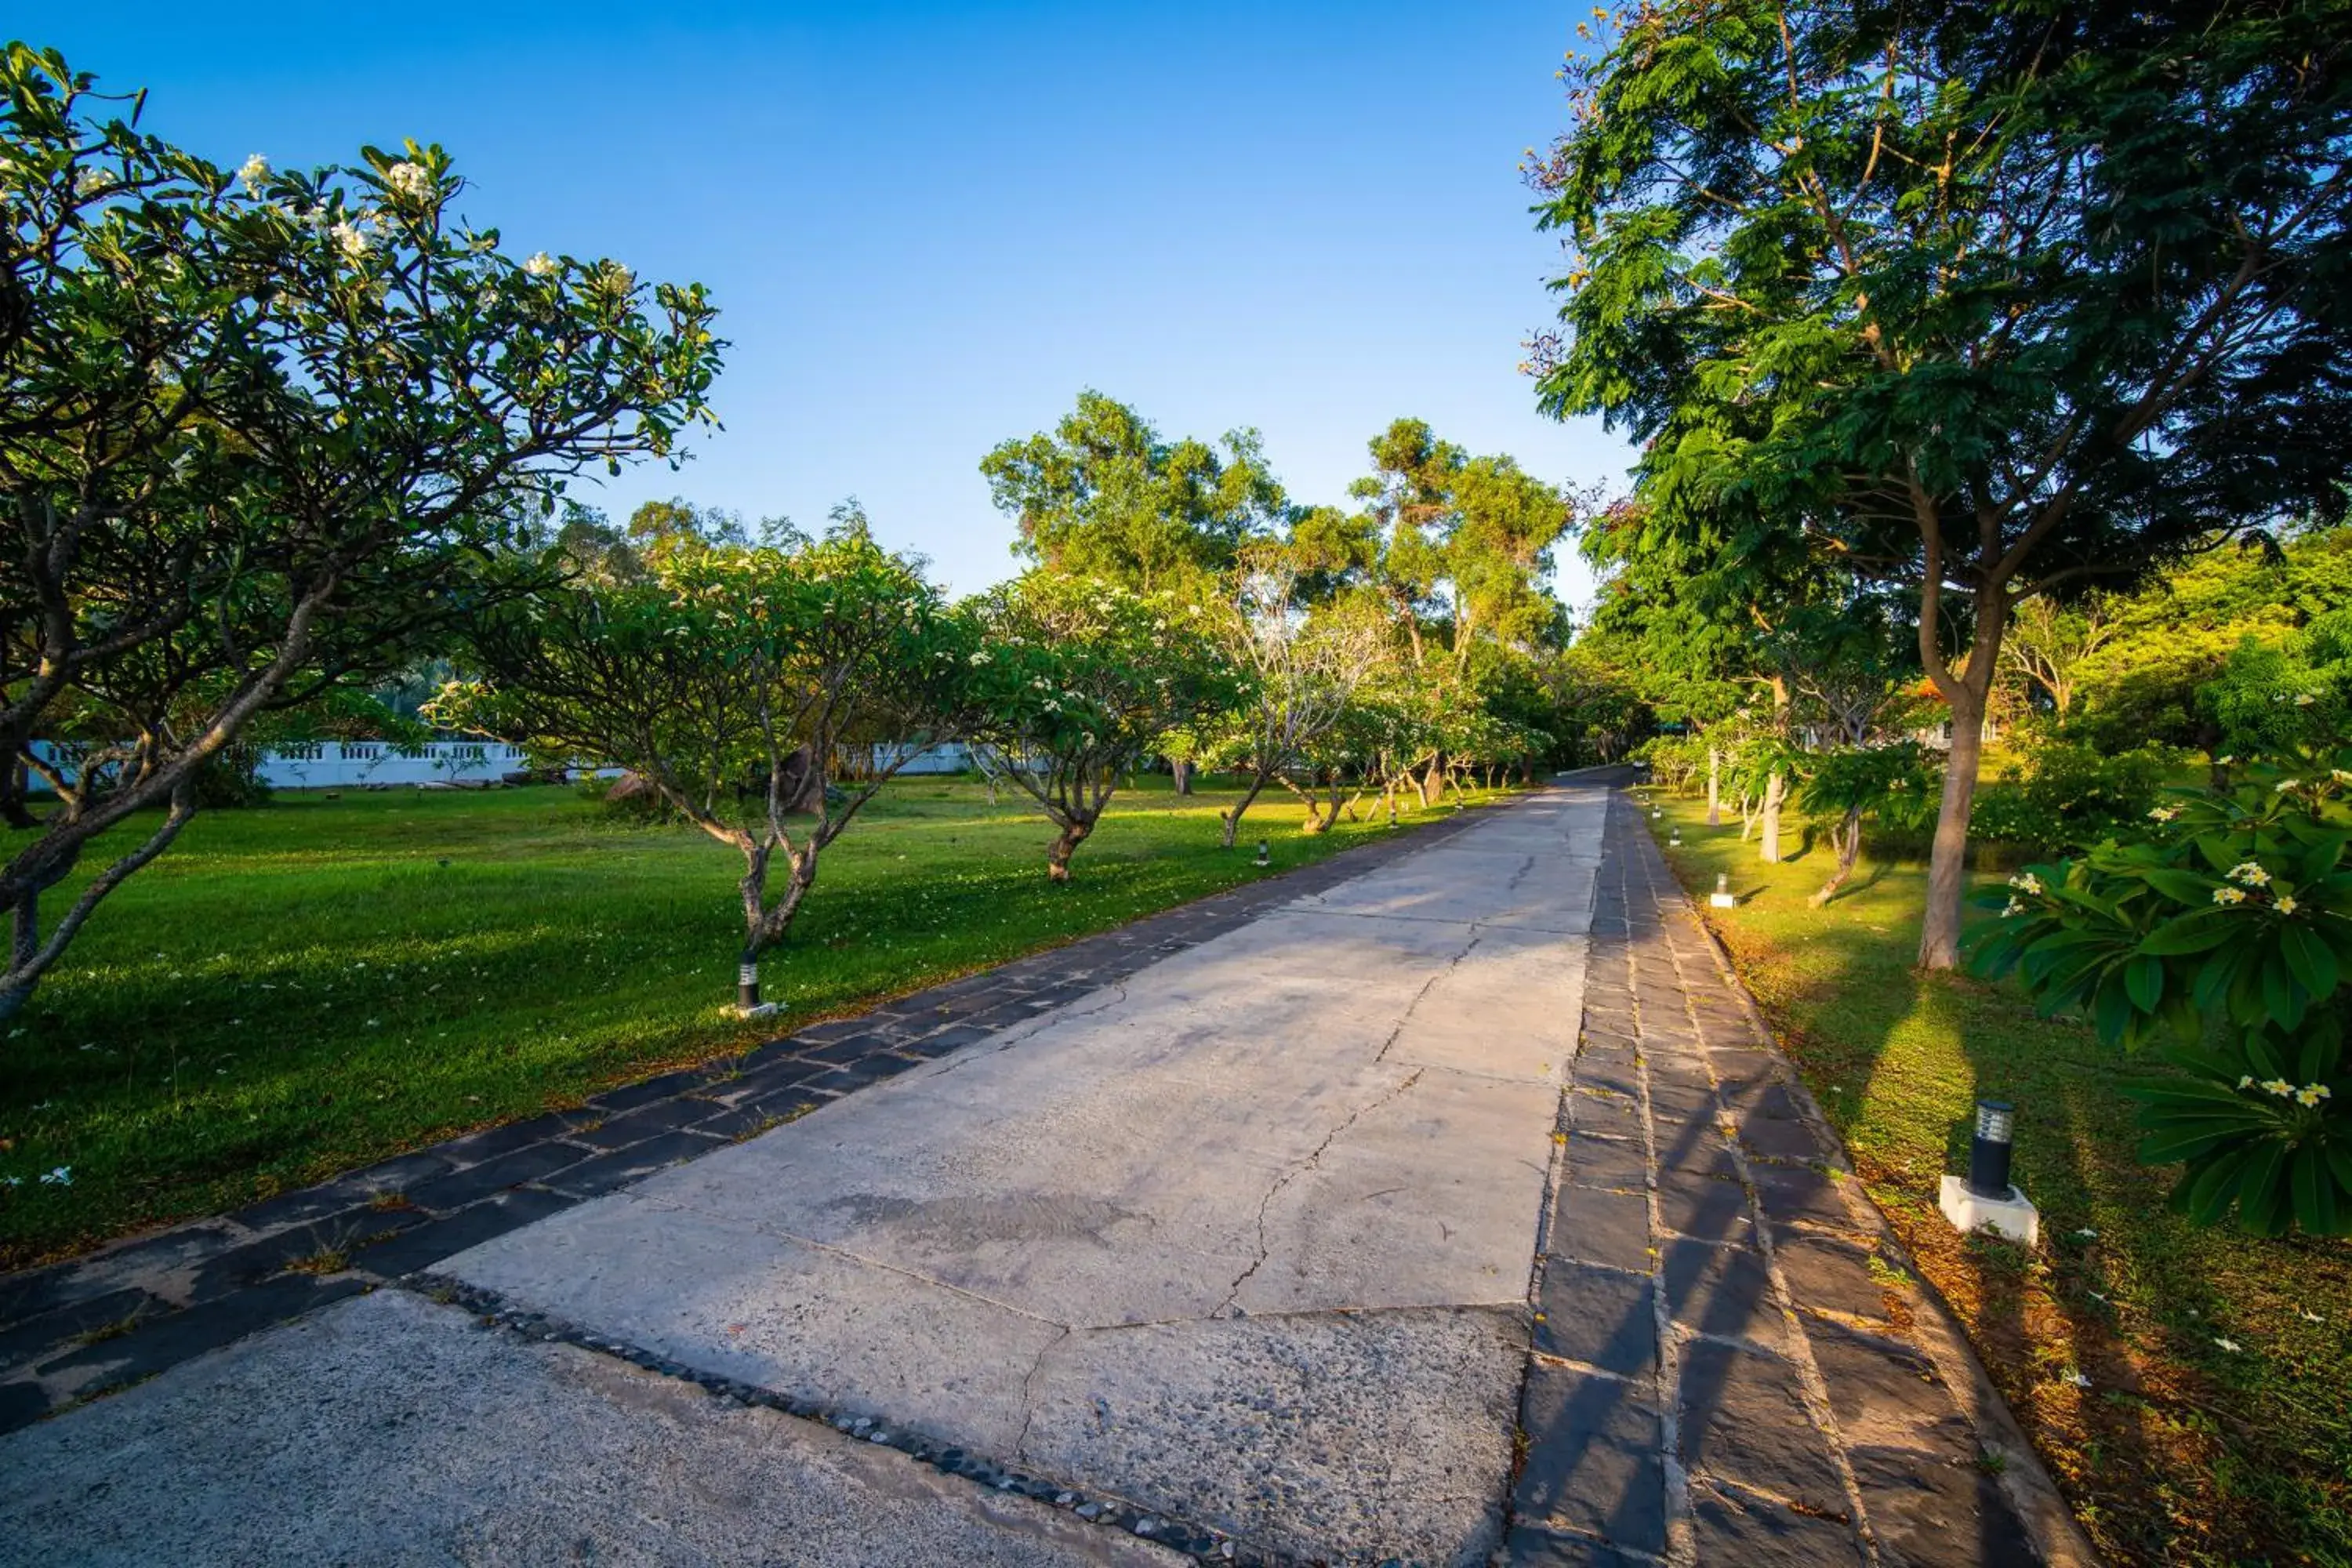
(1432, 783)
(1715, 786)
(1776, 790)
(1848, 835)
(1939, 934)
(1234, 816)
(1181, 769)
(13, 791)
(1057, 858)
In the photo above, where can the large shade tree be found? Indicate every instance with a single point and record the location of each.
(1995, 301)
(263, 433)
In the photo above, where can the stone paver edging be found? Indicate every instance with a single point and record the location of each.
(78, 1330)
(1731, 1361)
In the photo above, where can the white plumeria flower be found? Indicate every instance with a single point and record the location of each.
(352, 239)
(2283, 786)
(2284, 903)
(2339, 775)
(2279, 1087)
(541, 266)
(2246, 1080)
(2088, 1233)
(2027, 883)
(2229, 894)
(2251, 873)
(2012, 909)
(252, 171)
(2232, 1346)
(2077, 1379)
(2304, 700)
(615, 278)
(409, 181)
(2165, 813)
(90, 182)
(981, 658)
(60, 1177)
(2312, 1094)
(2309, 1317)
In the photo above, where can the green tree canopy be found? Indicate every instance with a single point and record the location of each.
(1105, 496)
(263, 433)
(1990, 301)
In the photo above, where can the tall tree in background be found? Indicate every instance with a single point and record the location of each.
(1992, 301)
(261, 434)
(1104, 496)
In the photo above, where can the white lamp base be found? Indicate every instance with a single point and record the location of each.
(1724, 900)
(2012, 1216)
(764, 1010)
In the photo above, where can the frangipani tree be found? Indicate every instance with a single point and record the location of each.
(1302, 670)
(1077, 679)
(262, 433)
(734, 680)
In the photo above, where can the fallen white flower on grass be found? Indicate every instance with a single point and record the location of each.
(60, 1177)
(2078, 1380)
(2310, 1317)
(2232, 1346)
(2088, 1233)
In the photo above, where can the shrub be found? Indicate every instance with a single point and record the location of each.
(2068, 796)
(2223, 931)
(1677, 762)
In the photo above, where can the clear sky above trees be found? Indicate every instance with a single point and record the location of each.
(930, 226)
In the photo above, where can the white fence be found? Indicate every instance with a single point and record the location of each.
(356, 764)
(338, 765)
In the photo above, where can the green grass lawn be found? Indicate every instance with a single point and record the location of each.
(314, 984)
(2181, 1450)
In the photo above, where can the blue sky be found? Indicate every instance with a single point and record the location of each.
(927, 227)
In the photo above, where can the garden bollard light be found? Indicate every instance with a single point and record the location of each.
(747, 986)
(1722, 898)
(1985, 1199)
(1675, 839)
(1263, 858)
(1988, 1151)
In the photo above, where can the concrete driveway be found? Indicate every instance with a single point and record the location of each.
(1238, 1249)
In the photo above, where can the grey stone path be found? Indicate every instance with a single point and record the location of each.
(1311, 1234)
(1718, 1373)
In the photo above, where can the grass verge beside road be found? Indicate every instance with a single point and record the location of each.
(312, 986)
(2215, 1426)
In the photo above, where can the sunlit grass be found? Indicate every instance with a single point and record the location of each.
(2181, 1450)
(309, 986)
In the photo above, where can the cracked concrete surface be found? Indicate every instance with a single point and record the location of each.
(1246, 1241)
(1243, 1240)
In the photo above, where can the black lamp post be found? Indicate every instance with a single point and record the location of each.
(1988, 1151)
(1263, 858)
(747, 986)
